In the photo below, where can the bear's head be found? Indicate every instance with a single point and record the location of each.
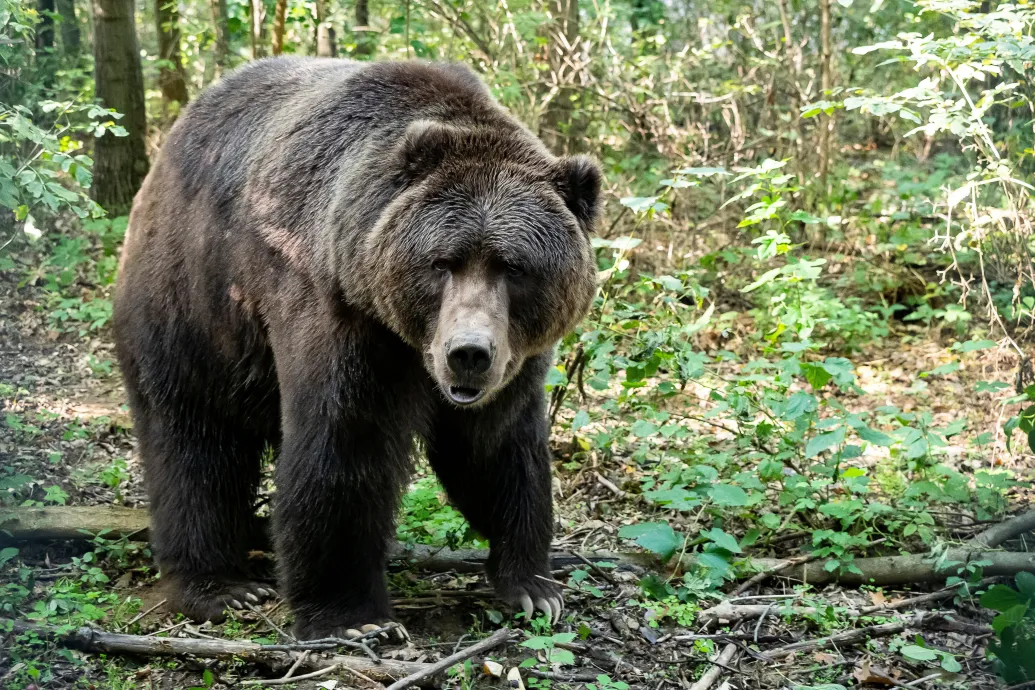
(484, 258)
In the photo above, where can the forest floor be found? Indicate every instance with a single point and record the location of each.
(68, 440)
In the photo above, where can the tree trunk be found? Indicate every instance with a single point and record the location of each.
(120, 163)
(364, 36)
(279, 18)
(325, 41)
(258, 32)
(70, 37)
(324, 32)
(826, 83)
(562, 44)
(221, 49)
(172, 81)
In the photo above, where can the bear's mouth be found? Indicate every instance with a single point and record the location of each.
(462, 395)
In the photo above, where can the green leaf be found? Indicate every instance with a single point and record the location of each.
(797, 405)
(7, 554)
(950, 664)
(1009, 618)
(973, 345)
(762, 280)
(643, 204)
(722, 540)
(656, 537)
(643, 428)
(943, 369)
(1000, 598)
(561, 656)
(818, 444)
(875, 437)
(1026, 422)
(816, 375)
(581, 419)
(918, 653)
(728, 495)
(1025, 581)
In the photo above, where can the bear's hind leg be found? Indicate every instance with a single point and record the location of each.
(202, 470)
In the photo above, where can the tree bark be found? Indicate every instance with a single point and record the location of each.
(120, 163)
(258, 28)
(71, 41)
(172, 81)
(324, 31)
(826, 83)
(325, 43)
(279, 19)
(221, 49)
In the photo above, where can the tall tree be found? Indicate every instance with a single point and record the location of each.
(324, 32)
(120, 163)
(70, 37)
(826, 80)
(221, 49)
(364, 36)
(563, 46)
(172, 80)
(257, 15)
(279, 18)
(45, 30)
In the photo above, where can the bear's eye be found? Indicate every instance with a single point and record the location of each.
(440, 265)
(515, 271)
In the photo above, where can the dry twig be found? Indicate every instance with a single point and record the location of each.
(498, 638)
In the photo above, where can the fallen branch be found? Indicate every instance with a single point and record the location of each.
(726, 613)
(1004, 531)
(762, 576)
(288, 679)
(273, 656)
(491, 642)
(719, 664)
(80, 522)
(849, 637)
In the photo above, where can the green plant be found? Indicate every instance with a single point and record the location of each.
(115, 476)
(426, 517)
(1014, 651)
(547, 644)
(604, 682)
(919, 651)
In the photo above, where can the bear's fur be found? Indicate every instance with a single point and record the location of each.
(336, 259)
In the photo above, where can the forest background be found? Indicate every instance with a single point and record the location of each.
(812, 339)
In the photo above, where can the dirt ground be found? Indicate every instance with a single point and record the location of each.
(70, 429)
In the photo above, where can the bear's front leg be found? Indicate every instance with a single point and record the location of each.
(494, 462)
(342, 464)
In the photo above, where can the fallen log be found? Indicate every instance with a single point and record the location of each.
(271, 656)
(81, 522)
(1001, 532)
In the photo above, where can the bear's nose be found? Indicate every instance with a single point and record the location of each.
(470, 355)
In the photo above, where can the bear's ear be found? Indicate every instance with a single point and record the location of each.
(578, 180)
(423, 148)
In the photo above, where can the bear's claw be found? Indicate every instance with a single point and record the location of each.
(551, 606)
(207, 600)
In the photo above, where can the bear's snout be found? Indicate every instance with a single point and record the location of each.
(470, 354)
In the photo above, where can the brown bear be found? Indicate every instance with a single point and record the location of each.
(337, 259)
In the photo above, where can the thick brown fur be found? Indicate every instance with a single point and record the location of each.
(315, 242)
